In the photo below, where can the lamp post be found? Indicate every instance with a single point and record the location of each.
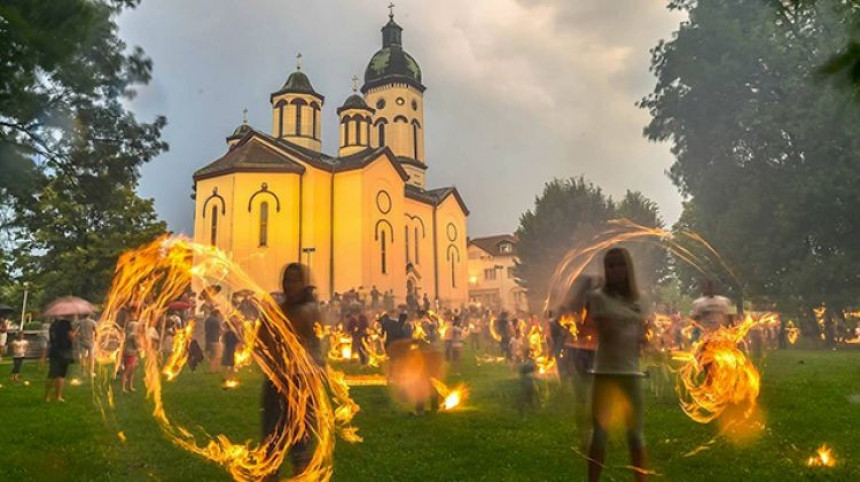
(24, 305)
(308, 251)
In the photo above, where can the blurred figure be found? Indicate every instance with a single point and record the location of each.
(19, 350)
(456, 344)
(228, 356)
(130, 354)
(617, 388)
(711, 311)
(212, 332)
(86, 341)
(60, 355)
(4, 328)
(302, 311)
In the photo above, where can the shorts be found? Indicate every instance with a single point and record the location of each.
(85, 348)
(58, 368)
(129, 362)
(16, 365)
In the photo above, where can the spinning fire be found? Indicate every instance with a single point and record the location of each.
(147, 280)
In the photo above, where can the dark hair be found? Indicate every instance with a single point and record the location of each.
(308, 290)
(629, 290)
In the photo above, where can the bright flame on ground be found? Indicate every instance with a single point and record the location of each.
(153, 276)
(451, 398)
(823, 458)
(75, 382)
(231, 383)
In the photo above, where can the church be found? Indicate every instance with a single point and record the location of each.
(360, 219)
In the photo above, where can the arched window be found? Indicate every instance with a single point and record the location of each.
(346, 133)
(382, 246)
(264, 224)
(357, 132)
(415, 140)
(417, 259)
(281, 118)
(381, 134)
(298, 119)
(406, 237)
(214, 233)
(314, 122)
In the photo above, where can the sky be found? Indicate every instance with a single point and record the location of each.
(518, 91)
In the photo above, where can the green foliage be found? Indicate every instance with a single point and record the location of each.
(568, 213)
(72, 150)
(765, 153)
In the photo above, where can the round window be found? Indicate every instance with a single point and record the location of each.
(414, 104)
(451, 231)
(380, 104)
(383, 202)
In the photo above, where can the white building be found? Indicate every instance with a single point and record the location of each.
(492, 276)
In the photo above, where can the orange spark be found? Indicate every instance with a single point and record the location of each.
(822, 458)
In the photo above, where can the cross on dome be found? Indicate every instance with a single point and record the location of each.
(299, 61)
(391, 10)
(245, 115)
(355, 83)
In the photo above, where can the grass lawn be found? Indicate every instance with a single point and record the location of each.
(808, 398)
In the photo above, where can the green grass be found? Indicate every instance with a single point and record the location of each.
(808, 398)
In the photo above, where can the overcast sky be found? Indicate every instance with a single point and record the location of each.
(518, 91)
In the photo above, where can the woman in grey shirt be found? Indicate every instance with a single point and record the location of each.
(620, 325)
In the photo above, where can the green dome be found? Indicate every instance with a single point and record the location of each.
(354, 101)
(299, 83)
(392, 63)
(241, 130)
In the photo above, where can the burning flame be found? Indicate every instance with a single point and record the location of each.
(451, 398)
(716, 375)
(149, 279)
(823, 458)
(230, 384)
(75, 382)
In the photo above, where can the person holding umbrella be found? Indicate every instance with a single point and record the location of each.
(61, 338)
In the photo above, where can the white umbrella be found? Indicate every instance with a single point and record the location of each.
(68, 306)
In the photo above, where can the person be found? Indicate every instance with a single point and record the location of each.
(86, 341)
(19, 350)
(301, 311)
(44, 340)
(130, 351)
(456, 344)
(448, 339)
(503, 330)
(4, 328)
(426, 303)
(711, 311)
(60, 355)
(228, 358)
(374, 298)
(212, 334)
(619, 323)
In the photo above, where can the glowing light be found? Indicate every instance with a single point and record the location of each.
(451, 398)
(149, 279)
(26, 383)
(792, 332)
(230, 384)
(716, 375)
(75, 382)
(822, 458)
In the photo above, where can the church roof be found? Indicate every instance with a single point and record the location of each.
(391, 63)
(248, 156)
(491, 244)
(435, 197)
(355, 101)
(298, 83)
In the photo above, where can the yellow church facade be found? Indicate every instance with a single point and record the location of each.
(360, 219)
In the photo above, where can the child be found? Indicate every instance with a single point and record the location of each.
(228, 358)
(19, 349)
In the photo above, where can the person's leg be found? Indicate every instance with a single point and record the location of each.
(60, 383)
(601, 410)
(632, 389)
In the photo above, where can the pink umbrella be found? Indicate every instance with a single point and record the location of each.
(68, 306)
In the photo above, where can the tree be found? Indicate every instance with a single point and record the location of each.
(69, 206)
(765, 153)
(568, 214)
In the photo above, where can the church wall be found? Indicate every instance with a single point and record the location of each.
(451, 249)
(208, 197)
(265, 263)
(316, 227)
(383, 197)
(349, 214)
(418, 215)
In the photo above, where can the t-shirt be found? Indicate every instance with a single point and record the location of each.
(61, 343)
(212, 327)
(619, 325)
(712, 312)
(87, 331)
(19, 348)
